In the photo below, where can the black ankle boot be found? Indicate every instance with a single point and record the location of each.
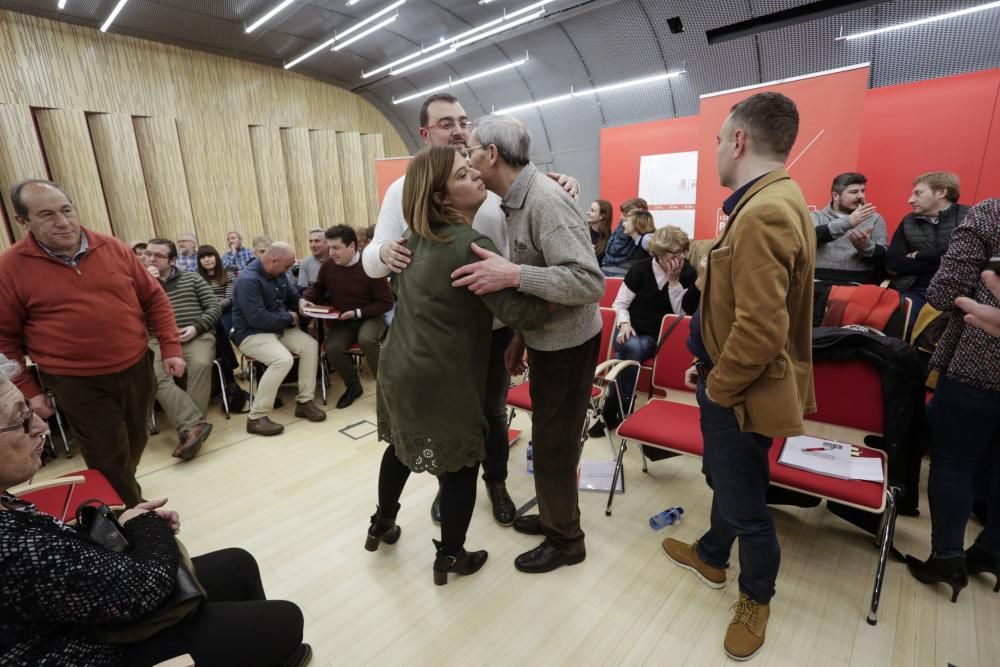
(460, 562)
(936, 570)
(383, 528)
(978, 560)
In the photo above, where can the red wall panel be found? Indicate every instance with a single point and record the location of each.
(621, 148)
(989, 177)
(935, 125)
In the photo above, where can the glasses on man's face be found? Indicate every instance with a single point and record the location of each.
(156, 255)
(448, 124)
(467, 153)
(24, 424)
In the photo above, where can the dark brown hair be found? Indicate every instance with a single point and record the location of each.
(771, 120)
(221, 276)
(604, 229)
(436, 97)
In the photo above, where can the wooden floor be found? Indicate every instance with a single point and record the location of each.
(300, 503)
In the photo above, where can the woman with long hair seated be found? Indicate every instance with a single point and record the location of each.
(432, 374)
(599, 220)
(662, 285)
(63, 595)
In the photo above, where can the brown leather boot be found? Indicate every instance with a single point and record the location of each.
(309, 411)
(192, 441)
(745, 635)
(686, 556)
(263, 426)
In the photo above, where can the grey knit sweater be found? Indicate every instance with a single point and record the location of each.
(836, 256)
(549, 239)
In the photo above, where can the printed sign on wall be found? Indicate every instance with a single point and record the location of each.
(668, 183)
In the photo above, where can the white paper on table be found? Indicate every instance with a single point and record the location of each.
(867, 468)
(834, 459)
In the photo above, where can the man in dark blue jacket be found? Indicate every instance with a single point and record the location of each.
(622, 252)
(266, 328)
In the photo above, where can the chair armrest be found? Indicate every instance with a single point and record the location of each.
(55, 482)
(620, 365)
(180, 661)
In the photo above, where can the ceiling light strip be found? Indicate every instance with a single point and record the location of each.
(455, 82)
(266, 17)
(593, 91)
(365, 33)
(423, 61)
(501, 28)
(111, 17)
(62, 4)
(929, 19)
(342, 35)
(444, 42)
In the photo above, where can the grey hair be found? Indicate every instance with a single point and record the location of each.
(9, 369)
(262, 240)
(316, 230)
(508, 134)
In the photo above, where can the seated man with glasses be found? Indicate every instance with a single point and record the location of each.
(196, 311)
(662, 285)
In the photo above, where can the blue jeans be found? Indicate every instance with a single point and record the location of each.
(965, 429)
(736, 468)
(637, 348)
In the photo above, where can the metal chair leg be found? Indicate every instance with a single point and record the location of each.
(251, 382)
(153, 427)
(614, 478)
(60, 426)
(222, 386)
(885, 538)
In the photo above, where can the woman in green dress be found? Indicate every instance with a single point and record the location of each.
(432, 373)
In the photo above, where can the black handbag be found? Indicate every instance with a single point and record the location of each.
(99, 524)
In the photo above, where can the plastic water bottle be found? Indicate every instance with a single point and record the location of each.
(666, 517)
(531, 463)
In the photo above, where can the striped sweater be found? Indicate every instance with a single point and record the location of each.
(194, 302)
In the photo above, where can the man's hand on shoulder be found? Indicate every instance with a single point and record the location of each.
(567, 183)
(492, 274)
(395, 255)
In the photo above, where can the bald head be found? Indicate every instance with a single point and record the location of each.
(278, 258)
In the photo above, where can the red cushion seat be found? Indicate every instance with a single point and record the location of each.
(672, 426)
(869, 496)
(519, 397)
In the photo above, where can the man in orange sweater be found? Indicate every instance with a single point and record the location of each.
(78, 302)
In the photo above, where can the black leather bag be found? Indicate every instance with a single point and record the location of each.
(100, 525)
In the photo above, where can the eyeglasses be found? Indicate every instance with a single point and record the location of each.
(467, 153)
(449, 124)
(158, 255)
(24, 424)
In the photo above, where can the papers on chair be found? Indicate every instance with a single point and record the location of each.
(321, 312)
(597, 475)
(829, 457)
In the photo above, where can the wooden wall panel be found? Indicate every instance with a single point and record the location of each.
(20, 157)
(70, 154)
(121, 174)
(218, 163)
(372, 148)
(352, 177)
(301, 186)
(272, 183)
(163, 169)
(326, 171)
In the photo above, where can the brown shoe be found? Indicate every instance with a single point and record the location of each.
(192, 441)
(309, 411)
(686, 556)
(263, 426)
(745, 635)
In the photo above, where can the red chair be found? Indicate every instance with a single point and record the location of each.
(611, 287)
(55, 496)
(676, 428)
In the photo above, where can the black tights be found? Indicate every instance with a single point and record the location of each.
(458, 497)
(235, 626)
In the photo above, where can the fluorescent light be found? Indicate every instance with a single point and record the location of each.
(62, 4)
(461, 39)
(112, 15)
(593, 91)
(929, 19)
(329, 42)
(364, 22)
(466, 79)
(266, 17)
(423, 61)
(352, 2)
(500, 28)
(365, 33)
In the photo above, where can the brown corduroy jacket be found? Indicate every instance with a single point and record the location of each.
(756, 309)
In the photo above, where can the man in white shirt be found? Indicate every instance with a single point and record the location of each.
(443, 122)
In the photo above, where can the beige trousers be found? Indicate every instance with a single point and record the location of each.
(185, 408)
(275, 351)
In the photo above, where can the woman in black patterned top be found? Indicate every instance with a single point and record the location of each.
(58, 587)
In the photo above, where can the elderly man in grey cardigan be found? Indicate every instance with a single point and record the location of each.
(551, 257)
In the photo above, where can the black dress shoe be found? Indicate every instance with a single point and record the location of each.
(545, 558)
(436, 508)
(935, 570)
(597, 430)
(529, 524)
(301, 657)
(980, 561)
(504, 510)
(353, 393)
